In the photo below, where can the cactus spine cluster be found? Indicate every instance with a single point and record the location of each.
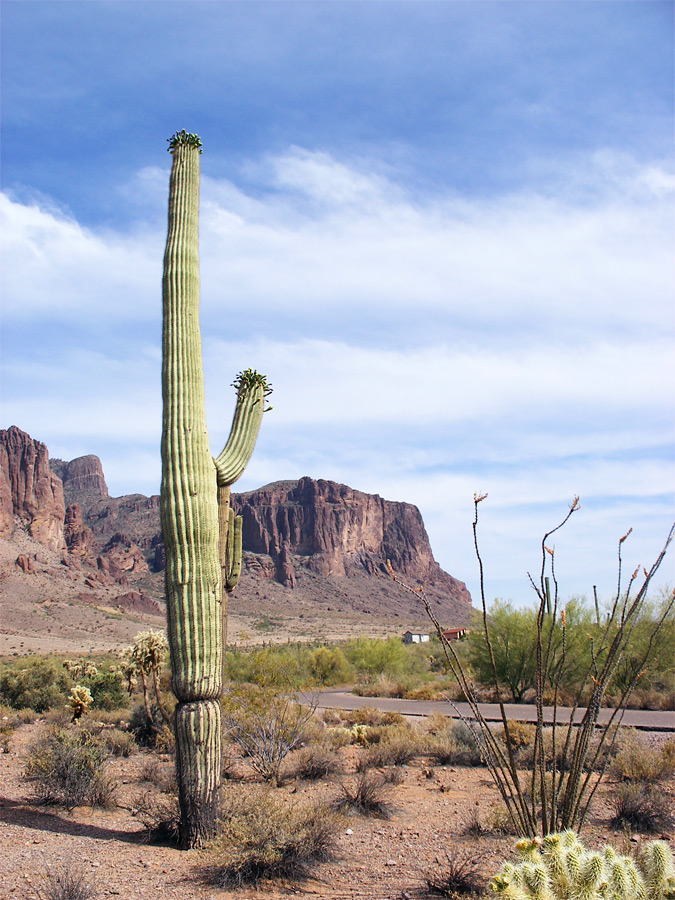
(195, 505)
(558, 867)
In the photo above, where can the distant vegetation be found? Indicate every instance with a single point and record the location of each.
(379, 666)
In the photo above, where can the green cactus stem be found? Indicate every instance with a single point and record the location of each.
(193, 488)
(559, 867)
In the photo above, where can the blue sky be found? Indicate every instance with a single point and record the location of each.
(444, 230)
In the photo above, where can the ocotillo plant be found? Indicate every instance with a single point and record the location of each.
(194, 486)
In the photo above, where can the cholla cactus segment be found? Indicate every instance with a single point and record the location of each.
(656, 862)
(561, 868)
(80, 701)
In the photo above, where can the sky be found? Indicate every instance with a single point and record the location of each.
(444, 230)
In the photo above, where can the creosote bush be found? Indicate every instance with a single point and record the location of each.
(266, 725)
(264, 835)
(65, 767)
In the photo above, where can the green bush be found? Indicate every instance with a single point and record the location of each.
(107, 689)
(36, 683)
(65, 767)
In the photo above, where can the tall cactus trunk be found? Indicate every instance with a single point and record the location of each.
(189, 512)
(195, 506)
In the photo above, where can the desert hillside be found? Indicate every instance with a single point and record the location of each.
(80, 569)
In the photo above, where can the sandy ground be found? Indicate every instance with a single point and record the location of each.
(374, 860)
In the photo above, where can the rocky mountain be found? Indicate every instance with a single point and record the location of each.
(310, 546)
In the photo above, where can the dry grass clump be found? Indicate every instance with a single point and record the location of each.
(636, 761)
(641, 808)
(451, 743)
(68, 882)
(66, 767)
(396, 747)
(316, 761)
(160, 816)
(264, 835)
(367, 794)
(455, 876)
(119, 743)
(160, 774)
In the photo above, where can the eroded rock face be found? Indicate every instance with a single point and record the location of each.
(33, 490)
(335, 529)
(82, 478)
(79, 538)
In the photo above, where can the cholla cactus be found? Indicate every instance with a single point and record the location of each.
(146, 658)
(80, 668)
(559, 867)
(79, 702)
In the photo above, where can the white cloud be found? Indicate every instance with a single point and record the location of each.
(422, 347)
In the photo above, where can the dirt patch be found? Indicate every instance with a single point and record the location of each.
(375, 859)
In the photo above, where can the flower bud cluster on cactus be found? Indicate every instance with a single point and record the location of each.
(559, 867)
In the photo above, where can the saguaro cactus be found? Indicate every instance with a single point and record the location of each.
(195, 504)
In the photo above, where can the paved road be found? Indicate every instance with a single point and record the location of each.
(646, 720)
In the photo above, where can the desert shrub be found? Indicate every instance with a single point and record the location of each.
(159, 815)
(382, 687)
(36, 683)
(107, 689)
(328, 665)
(367, 794)
(68, 882)
(640, 808)
(454, 877)
(65, 767)
(337, 737)
(147, 730)
(468, 751)
(160, 774)
(266, 725)
(119, 743)
(638, 762)
(316, 761)
(396, 747)
(430, 691)
(265, 836)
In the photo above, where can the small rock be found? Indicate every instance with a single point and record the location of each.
(390, 862)
(349, 831)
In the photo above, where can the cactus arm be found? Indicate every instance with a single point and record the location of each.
(252, 389)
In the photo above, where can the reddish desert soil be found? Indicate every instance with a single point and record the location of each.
(374, 860)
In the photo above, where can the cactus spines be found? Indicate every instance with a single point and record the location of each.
(194, 501)
(560, 868)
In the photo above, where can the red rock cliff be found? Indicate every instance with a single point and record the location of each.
(336, 530)
(29, 489)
